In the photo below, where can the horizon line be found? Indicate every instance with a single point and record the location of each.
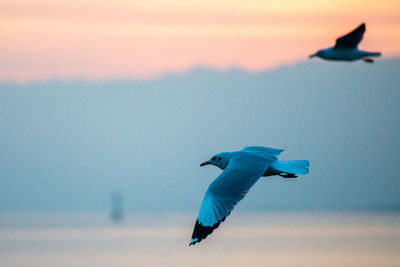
(169, 73)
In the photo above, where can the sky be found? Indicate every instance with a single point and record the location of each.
(104, 116)
(98, 40)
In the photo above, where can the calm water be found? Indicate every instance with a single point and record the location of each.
(288, 239)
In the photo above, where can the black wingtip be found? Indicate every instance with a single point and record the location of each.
(200, 232)
(360, 29)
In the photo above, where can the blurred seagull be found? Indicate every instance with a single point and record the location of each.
(346, 48)
(242, 169)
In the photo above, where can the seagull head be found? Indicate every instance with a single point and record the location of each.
(220, 160)
(319, 53)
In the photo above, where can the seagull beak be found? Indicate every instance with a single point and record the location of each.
(311, 56)
(204, 163)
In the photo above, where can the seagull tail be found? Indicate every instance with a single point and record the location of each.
(374, 54)
(292, 166)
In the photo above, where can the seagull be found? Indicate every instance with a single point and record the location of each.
(346, 48)
(241, 170)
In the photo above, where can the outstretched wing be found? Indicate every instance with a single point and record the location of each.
(352, 39)
(243, 171)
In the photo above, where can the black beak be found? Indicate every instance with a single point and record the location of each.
(204, 163)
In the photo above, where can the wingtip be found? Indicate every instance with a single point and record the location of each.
(193, 241)
(201, 232)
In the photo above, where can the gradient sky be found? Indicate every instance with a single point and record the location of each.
(70, 39)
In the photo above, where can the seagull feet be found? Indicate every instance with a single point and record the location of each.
(288, 175)
(368, 60)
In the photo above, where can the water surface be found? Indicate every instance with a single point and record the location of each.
(252, 239)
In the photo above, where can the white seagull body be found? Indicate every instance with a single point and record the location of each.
(242, 169)
(346, 48)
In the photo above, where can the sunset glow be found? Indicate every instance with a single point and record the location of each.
(45, 39)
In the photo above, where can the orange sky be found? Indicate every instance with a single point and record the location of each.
(70, 39)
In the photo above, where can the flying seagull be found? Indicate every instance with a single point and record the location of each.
(242, 169)
(346, 48)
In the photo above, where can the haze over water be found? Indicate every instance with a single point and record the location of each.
(246, 239)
